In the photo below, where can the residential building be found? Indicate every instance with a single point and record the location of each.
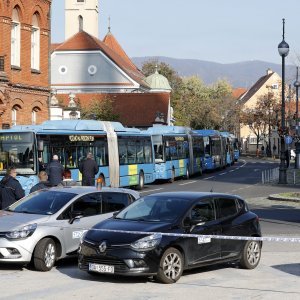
(269, 83)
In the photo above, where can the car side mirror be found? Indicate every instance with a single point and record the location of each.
(198, 220)
(115, 213)
(75, 215)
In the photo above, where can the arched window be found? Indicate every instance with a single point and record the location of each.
(35, 43)
(80, 21)
(34, 115)
(14, 112)
(15, 38)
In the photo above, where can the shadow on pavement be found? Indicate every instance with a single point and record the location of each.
(293, 269)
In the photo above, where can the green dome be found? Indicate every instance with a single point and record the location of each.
(158, 82)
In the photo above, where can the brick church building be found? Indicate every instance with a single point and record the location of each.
(24, 61)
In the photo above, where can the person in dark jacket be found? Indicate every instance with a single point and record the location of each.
(55, 171)
(43, 184)
(67, 179)
(89, 169)
(10, 188)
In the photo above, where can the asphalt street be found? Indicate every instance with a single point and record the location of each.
(276, 277)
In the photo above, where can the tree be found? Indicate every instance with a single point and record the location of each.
(100, 109)
(261, 117)
(200, 106)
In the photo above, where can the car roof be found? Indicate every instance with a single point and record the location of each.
(90, 189)
(192, 196)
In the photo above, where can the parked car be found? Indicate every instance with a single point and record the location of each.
(47, 225)
(166, 257)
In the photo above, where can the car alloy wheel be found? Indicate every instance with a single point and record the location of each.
(171, 266)
(44, 256)
(251, 255)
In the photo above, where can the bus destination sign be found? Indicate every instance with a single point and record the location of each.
(81, 138)
(15, 137)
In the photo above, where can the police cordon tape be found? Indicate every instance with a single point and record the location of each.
(191, 235)
(221, 237)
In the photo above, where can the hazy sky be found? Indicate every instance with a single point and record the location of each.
(222, 31)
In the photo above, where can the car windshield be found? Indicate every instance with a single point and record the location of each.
(155, 209)
(42, 202)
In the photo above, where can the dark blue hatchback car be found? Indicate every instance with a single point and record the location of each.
(146, 248)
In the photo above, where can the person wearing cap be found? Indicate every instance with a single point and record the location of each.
(89, 168)
(55, 171)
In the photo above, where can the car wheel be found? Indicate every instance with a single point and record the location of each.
(251, 255)
(172, 179)
(170, 266)
(141, 183)
(44, 255)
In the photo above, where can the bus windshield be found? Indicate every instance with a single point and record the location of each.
(17, 149)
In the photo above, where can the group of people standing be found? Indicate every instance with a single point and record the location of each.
(54, 175)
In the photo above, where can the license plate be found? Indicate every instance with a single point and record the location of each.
(101, 268)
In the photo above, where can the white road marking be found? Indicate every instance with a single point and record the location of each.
(231, 171)
(209, 177)
(188, 182)
(151, 190)
(223, 173)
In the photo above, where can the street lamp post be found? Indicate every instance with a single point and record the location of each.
(297, 144)
(283, 49)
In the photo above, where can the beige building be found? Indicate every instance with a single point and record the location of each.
(271, 82)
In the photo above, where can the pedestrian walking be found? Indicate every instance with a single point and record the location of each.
(287, 157)
(89, 168)
(274, 151)
(262, 150)
(10, 188)
(43, 182)
(55, 171)
(67, 179)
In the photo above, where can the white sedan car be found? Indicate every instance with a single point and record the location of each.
(47, 225)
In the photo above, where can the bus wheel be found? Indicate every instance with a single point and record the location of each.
(172, 179)
(141, 183)
(187, 173)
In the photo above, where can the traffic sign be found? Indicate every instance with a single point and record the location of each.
(288, 139)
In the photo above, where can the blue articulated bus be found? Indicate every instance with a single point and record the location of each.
(214, 149)
(228, 138)
(172, 151)
(125, 155)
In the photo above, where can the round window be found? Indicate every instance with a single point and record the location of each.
(92, 70)
(63, 70)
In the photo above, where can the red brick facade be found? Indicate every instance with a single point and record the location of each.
(21, 88)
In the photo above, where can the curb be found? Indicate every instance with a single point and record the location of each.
(278, 197)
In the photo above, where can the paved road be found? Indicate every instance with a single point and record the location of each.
(277, 276)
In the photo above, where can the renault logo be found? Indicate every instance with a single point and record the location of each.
(103, 247)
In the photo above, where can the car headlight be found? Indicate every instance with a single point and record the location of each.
(22, 233)
(147, 243)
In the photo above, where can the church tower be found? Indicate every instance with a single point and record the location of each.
(81, 15)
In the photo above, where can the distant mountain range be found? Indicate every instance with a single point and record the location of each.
(242, 74)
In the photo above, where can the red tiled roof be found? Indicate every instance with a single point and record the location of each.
(134, 109)
(82, 41)
(54, 46)
(238, 92)
(110, 41)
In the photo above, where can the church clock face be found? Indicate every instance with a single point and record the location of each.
(92, 69)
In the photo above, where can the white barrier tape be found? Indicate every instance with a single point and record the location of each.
(221, 237)
(190, 235)
(186, 235)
